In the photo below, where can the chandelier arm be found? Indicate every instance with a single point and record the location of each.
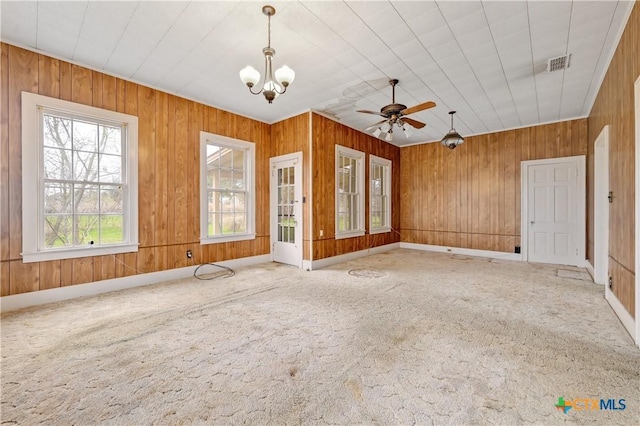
(255, 93)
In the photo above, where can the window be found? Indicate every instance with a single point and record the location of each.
(227, 189)
(349, 192)
(80, 185)
(380, 195)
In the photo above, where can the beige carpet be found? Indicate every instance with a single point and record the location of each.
(406, 338)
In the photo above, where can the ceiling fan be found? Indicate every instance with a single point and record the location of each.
(396, 114)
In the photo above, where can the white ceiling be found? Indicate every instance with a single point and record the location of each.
(487, 60)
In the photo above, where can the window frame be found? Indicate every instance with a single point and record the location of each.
(33, 108)
(250, 150)
(387, 167)
(359, 156)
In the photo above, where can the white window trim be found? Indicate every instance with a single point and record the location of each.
(359, 157)
(32, 178)
(387, 186)
(232, 143)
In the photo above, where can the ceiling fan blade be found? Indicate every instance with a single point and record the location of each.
(414, 123)
(369, 112)
(417, 108)
(376, 125)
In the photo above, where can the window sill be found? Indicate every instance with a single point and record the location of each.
(349, 234)
(74, 253)
(227, 238)
(379, 230)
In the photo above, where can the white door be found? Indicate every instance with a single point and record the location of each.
(555, 200)
(286, 209)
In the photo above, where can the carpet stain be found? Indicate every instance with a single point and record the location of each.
(293, 371)
(355, 388)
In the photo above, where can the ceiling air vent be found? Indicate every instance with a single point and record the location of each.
(559, 63)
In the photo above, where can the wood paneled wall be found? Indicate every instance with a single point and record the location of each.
(614, 106)
(289, 136)
(470, 196)
(169, 138)
(326, 134)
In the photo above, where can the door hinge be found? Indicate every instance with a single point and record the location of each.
(610, 196)
(273, 247)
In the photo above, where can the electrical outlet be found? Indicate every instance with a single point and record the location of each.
(517, 249)
(189, 254)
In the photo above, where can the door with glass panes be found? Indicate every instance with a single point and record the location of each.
(286, 209)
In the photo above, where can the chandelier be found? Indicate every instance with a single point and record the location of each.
(452, 138)
(283, 76)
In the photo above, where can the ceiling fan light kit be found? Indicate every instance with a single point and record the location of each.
(396, 114)
(284, 75)
(452, 138)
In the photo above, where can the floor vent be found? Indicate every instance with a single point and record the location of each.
(559, 63)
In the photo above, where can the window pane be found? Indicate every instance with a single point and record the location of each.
(85, 167)
(110, 168)
(238, 159)
(58, 198)
(226, 158)
(292, 176)
(111, 229)
(58, 231)
(240, 223)
(213, 156)
(110, 140)
(86, 198)
(226, 179)
(86, 229)
(239, 202)
(215, 224)
(57, 163)
(85, 136)
(227, 223)
(110, 199)
(57, 131)
(238, 180)
(213, 177)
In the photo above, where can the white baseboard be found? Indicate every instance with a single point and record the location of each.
(625, 317)
(323, 263)
(24, 300)
(590, 269)
(464, 251)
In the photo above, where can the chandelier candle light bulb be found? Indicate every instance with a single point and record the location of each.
(283, 75)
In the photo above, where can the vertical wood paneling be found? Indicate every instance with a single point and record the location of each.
(81, 85)
(168, 202)
(146, 175)
(614, 106)
(49, 72)
(5, 279)
(104, 267)
(23, 76)
(49, 275)
(181, 170)
(65, 81)
(290, 136)
(4, 164)
(161, 198)
(485, 185)
(326, 134)
(23, 277)
(193, 165)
